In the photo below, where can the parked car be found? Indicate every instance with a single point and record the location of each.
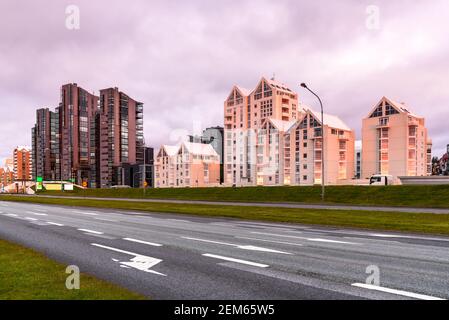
(380, 180)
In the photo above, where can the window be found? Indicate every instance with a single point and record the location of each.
(383, 121)
(389, 110)
(377, 113)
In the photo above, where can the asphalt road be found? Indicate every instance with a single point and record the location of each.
(166, 256)
(270, 204)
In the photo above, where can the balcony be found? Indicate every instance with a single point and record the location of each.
(413, 123)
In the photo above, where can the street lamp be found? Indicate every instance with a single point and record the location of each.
(144, 174)
(322, 140)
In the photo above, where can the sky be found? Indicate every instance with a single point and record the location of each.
(181, 58)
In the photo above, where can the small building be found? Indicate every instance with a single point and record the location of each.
(214, 137)
(187, 165)
(395, 142)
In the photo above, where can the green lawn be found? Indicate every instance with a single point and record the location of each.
(436, 196)
(394, 221)
(28, 275)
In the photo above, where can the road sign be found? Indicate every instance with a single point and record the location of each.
(145, 184)
(85, 184)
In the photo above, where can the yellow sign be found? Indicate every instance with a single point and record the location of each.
(53, 186)
(145, 184)
(85, 184)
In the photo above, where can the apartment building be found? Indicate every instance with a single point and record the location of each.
(22, 164)
(245, 113)
(92, 141)
(395, 142)
(165, 167)
(7, 173)
(337, 151)
(45, 146)
(76, 112)
(188, 165)
(119, 139)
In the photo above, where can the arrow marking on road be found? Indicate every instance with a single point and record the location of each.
(139, 262)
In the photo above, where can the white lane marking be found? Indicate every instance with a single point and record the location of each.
(91, 231)
(250, 263)
(143, 242)
(394, 291)
(243, 247)
(139, 262)
(272, 241)
(103, 219)
(11, 215)
(304, 238)
(178, 220)
(55, 224)
(31, 219)
(405, 237)
(37, 214)
(86, 213)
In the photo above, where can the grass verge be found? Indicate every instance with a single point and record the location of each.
(393, 221)
(28, 275)
(425, 196)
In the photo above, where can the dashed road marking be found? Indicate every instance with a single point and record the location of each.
(55, 224)
(243, 247)
(91, 231)
(304, 238)
(250, 263)
(143, 242)
(398, 292)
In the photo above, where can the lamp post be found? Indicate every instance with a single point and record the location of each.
(322, 141)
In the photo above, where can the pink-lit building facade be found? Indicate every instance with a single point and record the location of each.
(395, 142)
(189, 165)
(245, 112)
(271, 140)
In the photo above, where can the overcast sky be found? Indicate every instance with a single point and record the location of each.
(181, 58)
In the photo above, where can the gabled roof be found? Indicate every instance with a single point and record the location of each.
(240, 90)
(200, 149)
(244, 91)
(277, 84)
(400, 107)
(329, 120)
(170, 150)
(23, 148)
(282, 125)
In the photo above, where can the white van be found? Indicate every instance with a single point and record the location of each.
(380, 180)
